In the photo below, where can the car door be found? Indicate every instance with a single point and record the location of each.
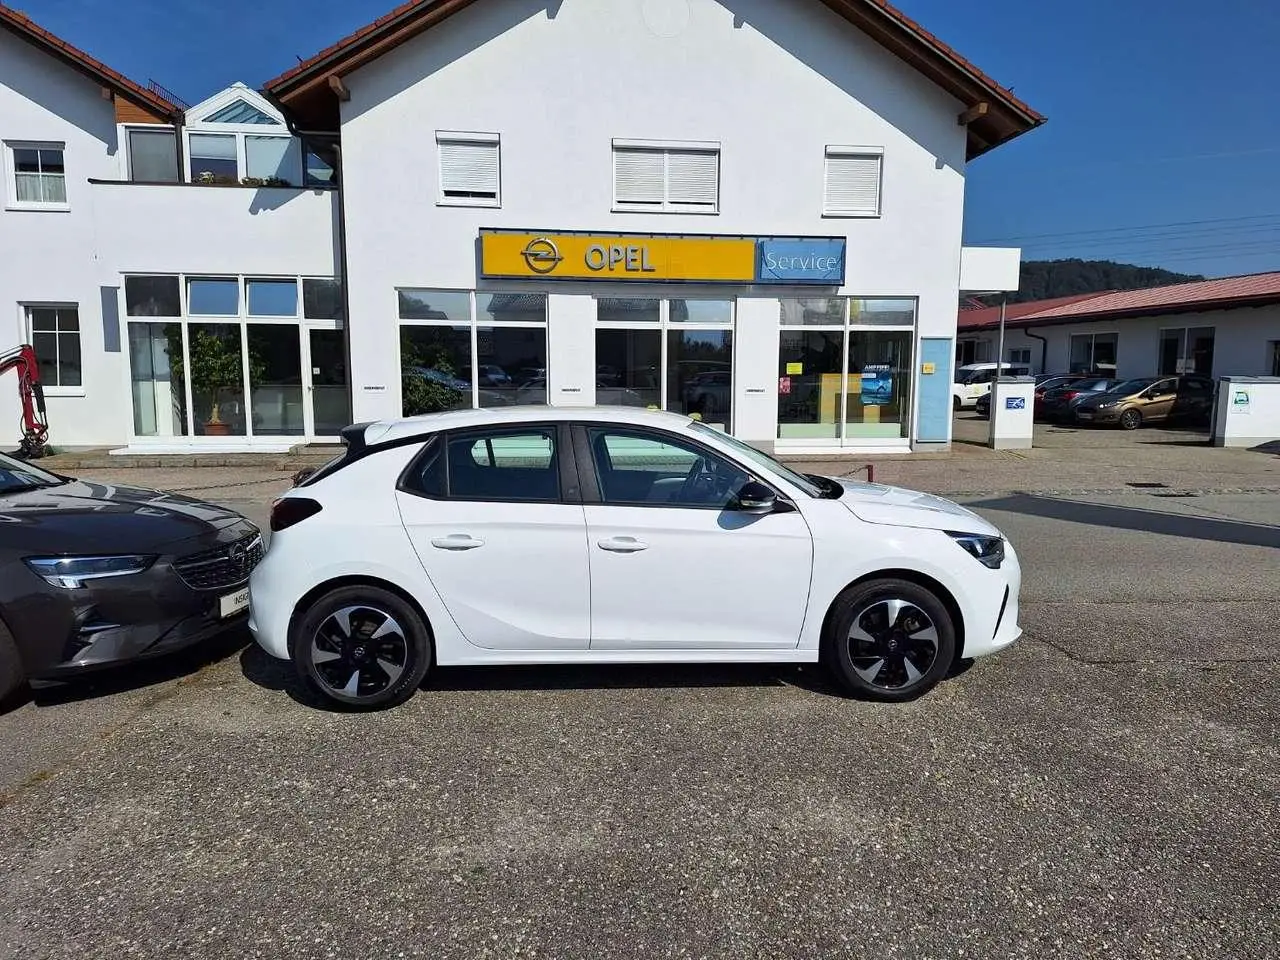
(673, 565)
(496, 520)
(1160, 398)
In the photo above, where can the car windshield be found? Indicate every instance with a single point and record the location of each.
(1127, 387)
(976, 376)
(1092, 386)
(761, 459)
(16, 475)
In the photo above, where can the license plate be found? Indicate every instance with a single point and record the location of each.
(233, 603)
(1085, 416)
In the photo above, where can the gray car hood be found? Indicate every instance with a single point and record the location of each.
(899, 507)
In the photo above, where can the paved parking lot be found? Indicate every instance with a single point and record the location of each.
(1108, 787)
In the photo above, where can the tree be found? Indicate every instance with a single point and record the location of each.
(1045, 279)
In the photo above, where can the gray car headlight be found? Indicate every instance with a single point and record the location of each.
(988, 551)
(71, 573)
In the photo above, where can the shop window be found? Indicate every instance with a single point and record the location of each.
(845, 369)
(1186, 350)
(851, 183)
(470, 169)
(672, 355)
(459, 348)
(217, 379)
(676, 178)
(152, 297)
(1094, 353)
(55, 337)
(158, 386)
(153, 155)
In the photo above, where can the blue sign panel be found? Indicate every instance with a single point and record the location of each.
(1015, 403)
(800, 261)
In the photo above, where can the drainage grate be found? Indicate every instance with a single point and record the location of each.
(1148, 486)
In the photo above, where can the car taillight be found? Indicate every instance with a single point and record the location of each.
(287, 511)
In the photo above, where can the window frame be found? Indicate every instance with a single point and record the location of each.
(666, 148)
(468, 137)
(11, 177)
(569, 488)
(863, 152)
(588, 477)
(55, 389)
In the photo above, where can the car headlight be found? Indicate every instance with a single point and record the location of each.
(988, 551)
(71, 573)
(1109, 403)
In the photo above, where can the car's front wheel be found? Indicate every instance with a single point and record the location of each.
(1131, 419)
(362, 647)
(889, 640)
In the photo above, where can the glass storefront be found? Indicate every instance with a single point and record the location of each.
(672, 355)
(230, 357)
(460, 349)
(845, 369)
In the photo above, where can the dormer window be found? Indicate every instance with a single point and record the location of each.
(237, 137)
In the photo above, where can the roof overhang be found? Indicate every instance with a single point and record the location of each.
(1135, 313)
(992, 115)
(115, 83)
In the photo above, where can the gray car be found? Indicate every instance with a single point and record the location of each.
(93, 575)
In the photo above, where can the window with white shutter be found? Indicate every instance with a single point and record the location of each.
(851, 185)
(676, 178)
(469, 169)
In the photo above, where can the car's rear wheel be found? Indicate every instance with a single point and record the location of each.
(1131, 419)
(363, 647)
(12, 675)
(889, 640)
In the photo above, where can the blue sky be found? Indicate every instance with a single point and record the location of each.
(1162, 147)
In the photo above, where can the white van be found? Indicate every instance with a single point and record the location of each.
(973, 380)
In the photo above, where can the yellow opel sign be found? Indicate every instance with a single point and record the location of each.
(605, 256)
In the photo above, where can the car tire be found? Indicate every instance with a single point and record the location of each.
(875, 659)
(955, 404)
(1131, 419)
(362, 647)
(12, 674)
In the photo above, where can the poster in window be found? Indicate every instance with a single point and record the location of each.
(877, 385)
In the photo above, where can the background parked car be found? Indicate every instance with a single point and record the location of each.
(1059, 403)
(93, 575)
(1150, 400)
(973, 380)
(1044, 383)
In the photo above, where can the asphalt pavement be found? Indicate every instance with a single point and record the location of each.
(1109, 786)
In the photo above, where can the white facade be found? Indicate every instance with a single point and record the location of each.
(787, 120)
(786, 81)
(1245, 343)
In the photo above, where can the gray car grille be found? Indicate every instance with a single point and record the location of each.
(221, 567)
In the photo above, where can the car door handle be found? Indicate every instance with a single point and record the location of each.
(623, 545)
(457, 541)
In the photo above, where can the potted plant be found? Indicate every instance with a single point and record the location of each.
(215, 370)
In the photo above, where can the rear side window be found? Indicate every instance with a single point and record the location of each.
(501, 465)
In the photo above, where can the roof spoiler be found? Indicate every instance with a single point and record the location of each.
(353, 437)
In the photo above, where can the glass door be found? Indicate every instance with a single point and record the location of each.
(330, 399)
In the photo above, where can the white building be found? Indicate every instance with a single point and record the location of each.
(1228, 326)
(747, 209)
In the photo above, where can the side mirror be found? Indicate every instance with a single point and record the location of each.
(756, 498)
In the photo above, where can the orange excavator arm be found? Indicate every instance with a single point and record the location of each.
(35, 423)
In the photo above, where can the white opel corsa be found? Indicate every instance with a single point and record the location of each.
(614, 535)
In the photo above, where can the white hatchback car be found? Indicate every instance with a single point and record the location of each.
(614, 535)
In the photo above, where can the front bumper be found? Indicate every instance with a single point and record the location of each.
(64, 632)
(988, 635)
(1097, 415)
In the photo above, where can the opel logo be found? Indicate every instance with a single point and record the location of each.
(237, 552)
(541, 255)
